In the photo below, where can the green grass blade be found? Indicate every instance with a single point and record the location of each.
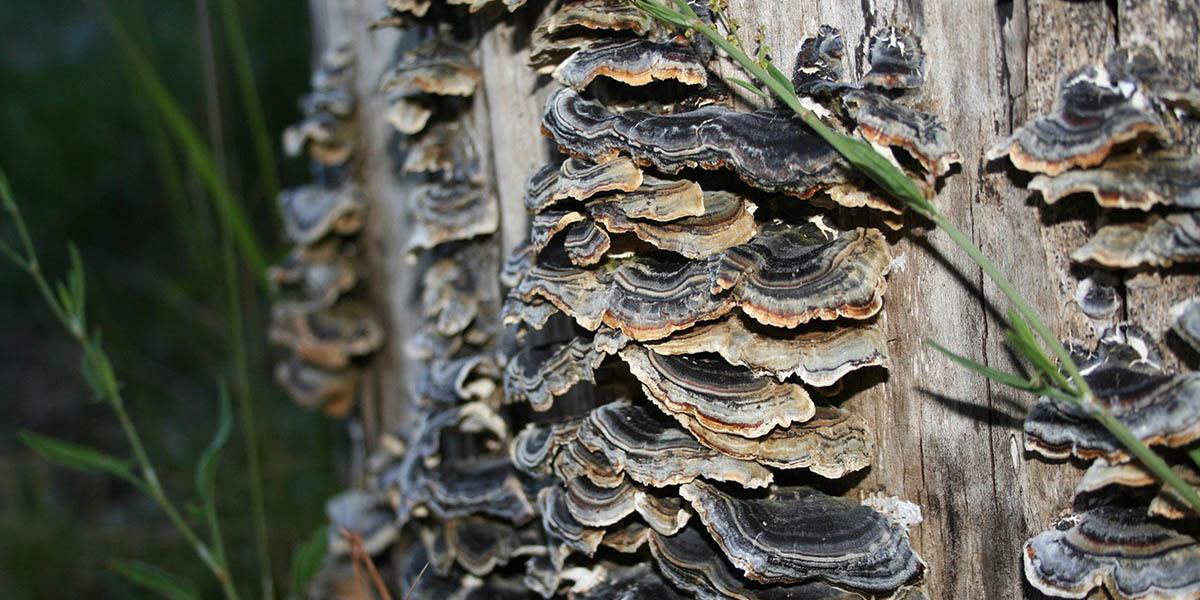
(206, 470)
(199, 155)
(251, 102)
(996, 375)
(781, 78)
(749, 87)
(78, 457)
(206, 473)
(307, 559)
(157, 580)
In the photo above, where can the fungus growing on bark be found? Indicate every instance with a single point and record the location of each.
(580, 179)
(328, 337)
(311, 212)
(313, 387)
(831, 444)
(697, 565)
(1125, 373)
(480, 544)
(818, 67)
(437, 67)
(416, 8)
(1185, 321)
(1133, 182)
(652, 450)
(550, 223)
(601, 507)
(629, 583)
(787, 276)
(1156, 242)
(362, 513)
(445, 213)
(798, 534)
(895, 60)
(645, 298)
(1118, 548)
(408, 116)
(561, 524)
(539, 375)
(461, 379)
(888, 123)
(586, 243)
(319, 273)
(819, 357)
(612, 15)
(446, 148)
(727, 221)
(324, 135)
(632, 61)
(534, 448)
(722, 397)
(770, 149)
(1097, 295)
(1094, 113)
(656, 199)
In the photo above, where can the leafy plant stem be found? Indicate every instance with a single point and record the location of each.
(900, 186)
(68, 309)
(249, 426)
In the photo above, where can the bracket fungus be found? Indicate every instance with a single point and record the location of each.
(1118, 548)
(818, 357)
(579, 180)
(799, 534)
(718, 299)
(1186, 321)
(1130, 182)
(895, 59)
(1157, 242)
(329, 337)
(722, 397)
(1096, 110)
(632, 61)
(312, 212)
(1161, 410)
(653, 451)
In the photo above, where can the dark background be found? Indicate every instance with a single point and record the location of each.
(78, 141)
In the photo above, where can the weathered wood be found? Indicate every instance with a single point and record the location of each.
(945, 439)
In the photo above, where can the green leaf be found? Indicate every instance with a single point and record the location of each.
(78, 457)
(307, 559)
(157, 580)
(77, 283)
(97, 370)
(996, 375)
(780, 77)
(206, 470)
(662, 13)
(749, 87)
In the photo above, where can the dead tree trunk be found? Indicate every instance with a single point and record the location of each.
(944, 439)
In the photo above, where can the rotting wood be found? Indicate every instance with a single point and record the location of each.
(945, 439)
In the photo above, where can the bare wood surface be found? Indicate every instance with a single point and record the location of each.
(945, 439)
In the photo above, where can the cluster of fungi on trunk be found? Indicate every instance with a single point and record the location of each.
(653, 409)
(318, 314)
(1114, 137)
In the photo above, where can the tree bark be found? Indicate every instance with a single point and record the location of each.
(945, 438)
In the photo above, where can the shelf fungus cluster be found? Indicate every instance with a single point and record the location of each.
(463, 518)
(317, 315)
(1114, 137)
(1135, 537)
(681, 336)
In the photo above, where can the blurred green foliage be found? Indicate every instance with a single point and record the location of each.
(79, 148)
